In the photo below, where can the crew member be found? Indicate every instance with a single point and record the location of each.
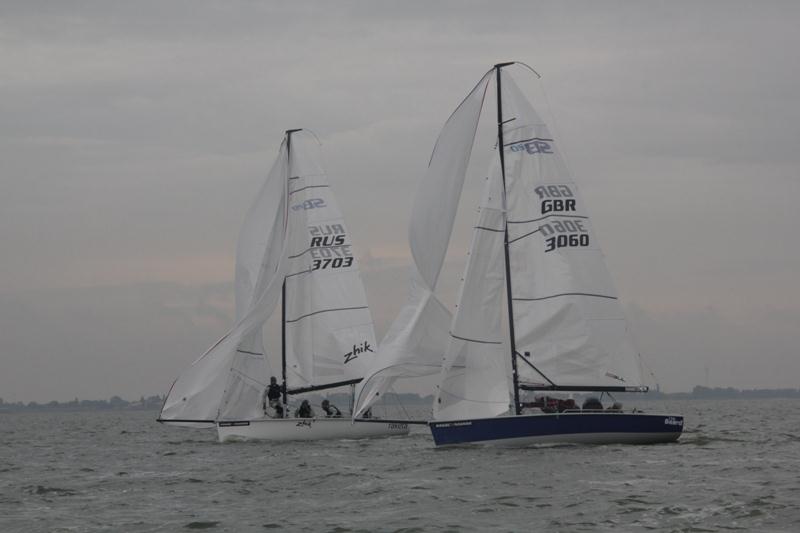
(304, 411)
(272, 397)
(331, 411)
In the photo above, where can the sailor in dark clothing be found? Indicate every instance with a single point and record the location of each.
(592, 404)
(304, 411)
(331, 411)
(272, 394)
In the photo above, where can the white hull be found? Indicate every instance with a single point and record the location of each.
(292, 429)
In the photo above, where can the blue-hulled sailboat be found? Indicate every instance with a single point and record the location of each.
(537, 310)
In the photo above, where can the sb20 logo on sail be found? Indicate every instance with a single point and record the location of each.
(313, 203)
(533, 146)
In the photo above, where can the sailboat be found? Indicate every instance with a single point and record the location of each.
(537, 310)
(294, 252)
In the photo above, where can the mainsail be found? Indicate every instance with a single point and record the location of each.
(329, 332)
(569, 327)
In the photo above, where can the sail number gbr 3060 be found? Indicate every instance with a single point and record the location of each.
(328, 247)
(567, 233)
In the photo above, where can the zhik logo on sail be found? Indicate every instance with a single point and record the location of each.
(357, 349)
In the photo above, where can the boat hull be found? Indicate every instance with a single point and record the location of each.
(569, 427)
(294, 429)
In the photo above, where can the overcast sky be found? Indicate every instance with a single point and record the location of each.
(133, 135)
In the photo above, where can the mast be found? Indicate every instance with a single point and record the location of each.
(501, 150)
(283, 287)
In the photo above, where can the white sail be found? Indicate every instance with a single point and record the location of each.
(568, 322)
(225, 381)
(329, 331)
(474, 379)
(417, 339)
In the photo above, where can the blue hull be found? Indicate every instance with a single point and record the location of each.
(568, 427)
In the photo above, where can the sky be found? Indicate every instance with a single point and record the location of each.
(133, 136)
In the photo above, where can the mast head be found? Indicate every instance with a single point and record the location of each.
(501, 65)
(289, 132)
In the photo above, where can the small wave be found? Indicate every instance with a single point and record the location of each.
(201, 525)
(40, 490)
(672, 510)
(339, 475)
(632, 499)
(705, 440)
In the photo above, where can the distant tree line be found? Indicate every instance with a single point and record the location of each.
(113, 403)
(730, 392)
(701, 393)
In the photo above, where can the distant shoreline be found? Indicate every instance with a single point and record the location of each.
(154, 403)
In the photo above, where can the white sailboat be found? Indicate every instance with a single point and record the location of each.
(294, 252)
(537, 309)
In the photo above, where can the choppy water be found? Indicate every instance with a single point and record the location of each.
(737, 467)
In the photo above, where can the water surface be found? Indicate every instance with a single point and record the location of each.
(736, 468)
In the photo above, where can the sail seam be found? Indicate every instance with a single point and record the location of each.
(307, 271)
(489, 229)
(475, 340)
(327, 311)
(565, 294)
(308, 187)
(544, 217)
(249, 353)
(295, 256)
(523, 236)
